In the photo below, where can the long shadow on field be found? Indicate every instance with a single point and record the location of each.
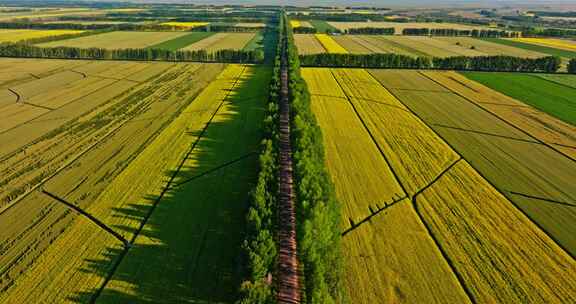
(189, 250)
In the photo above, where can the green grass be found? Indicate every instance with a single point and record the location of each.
(256, 43)
(322, 26)
(181, 42)
(553, 98)
(533, 47)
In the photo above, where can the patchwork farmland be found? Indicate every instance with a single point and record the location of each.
(415, 162)
(180, 153)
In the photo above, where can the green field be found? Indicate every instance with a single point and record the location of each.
(256, 43)
(568, 80)
(533, 47)
(322, 26)
(553, 98)
(182, 41)
(191, 244)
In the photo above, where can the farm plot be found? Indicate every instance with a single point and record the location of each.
(364, 182)
(568, 80)
(182, 41)
(493, 134)
(563, 44)
(19, 35)
(117, 40)
(308, 44)
(197, 226)
(550, 97)
(418, 158)
(103, 142)
(542, 126)
(330, 45)
(478, 226)
(222, 41)
(399, 26)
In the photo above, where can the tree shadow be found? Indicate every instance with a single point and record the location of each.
(189, 251)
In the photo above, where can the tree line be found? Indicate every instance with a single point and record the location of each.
(227, 56)
(572, 66)
(129, 27)
(318, 211)
(260, 247)
(456, 32)
(305, 30)
(371, 31)
(548, 64)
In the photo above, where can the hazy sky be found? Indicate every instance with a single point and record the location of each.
(380, 3)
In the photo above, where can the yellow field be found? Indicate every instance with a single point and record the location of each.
(55, 243)
(550, 42)
(185, 24)
(501, 255)
(295, 23)
(117, 40)
(330, 45)
(20, 35)
(416, 153)
(459, 209)
(363, 180)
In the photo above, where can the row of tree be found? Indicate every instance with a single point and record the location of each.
(318, 218)
(457, 32)
(480, 63)
(227, 56)
(371, 31)
(129, 27)
(572, 66)
(260, 245)
(305, 30)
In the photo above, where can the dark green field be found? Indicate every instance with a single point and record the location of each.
(553, 98)
(181, 42)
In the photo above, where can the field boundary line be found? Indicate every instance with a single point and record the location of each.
(86, 214)
(219, 167)
(413, 197)
(68, 103)
(37, 106)
(18, 97)
(552, 81)
(439, 246)
(372, 137)
(549, 145)
(165, 189)
(542, 198)
(354, 226)
(485, 133)
(66, 164)
(500, 191)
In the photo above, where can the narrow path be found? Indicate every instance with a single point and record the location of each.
(288, 275)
